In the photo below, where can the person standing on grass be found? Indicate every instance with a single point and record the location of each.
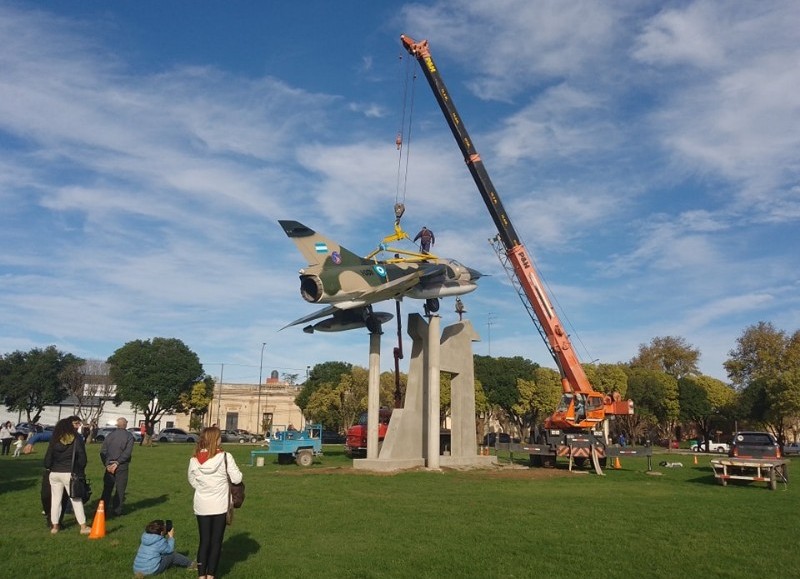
(209, 469)
(7, 436)
(66, 454)
(116, 454)
(45, 493)
(18, 444)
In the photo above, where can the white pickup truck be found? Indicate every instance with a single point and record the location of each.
(791, 448)
(718, 447)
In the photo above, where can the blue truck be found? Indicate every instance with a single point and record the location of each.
(300, 446)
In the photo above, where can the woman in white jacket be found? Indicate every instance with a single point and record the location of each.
(207, 474)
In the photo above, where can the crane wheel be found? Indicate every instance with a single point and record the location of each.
(549, 460)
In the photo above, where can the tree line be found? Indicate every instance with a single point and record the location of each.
(156, 377)
(672, 399)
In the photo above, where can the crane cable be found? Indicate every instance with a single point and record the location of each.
(402, 176)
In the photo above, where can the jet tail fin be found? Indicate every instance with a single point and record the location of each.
(317, 248)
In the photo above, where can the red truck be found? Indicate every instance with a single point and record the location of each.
(356, 444)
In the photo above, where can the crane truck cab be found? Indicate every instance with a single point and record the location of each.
(356, 444)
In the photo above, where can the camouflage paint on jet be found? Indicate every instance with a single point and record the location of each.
(337, 276)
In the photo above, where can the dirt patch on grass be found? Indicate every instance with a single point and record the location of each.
(524, 472)
(495, 472)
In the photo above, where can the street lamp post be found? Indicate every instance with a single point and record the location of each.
(219, 399)
(258, 408)
(490, 317)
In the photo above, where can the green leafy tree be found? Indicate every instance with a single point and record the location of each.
(499, 376)
(538, 398)
(655, 396)
(445, 396)
(339, 405)
(327, 406)
(324, 373)
(31, 380)
(765, 366)
(759, 353)
(154, 374)
(607, 378)
(482, 405)
(197, 402)
(669, 354)
(705, 401)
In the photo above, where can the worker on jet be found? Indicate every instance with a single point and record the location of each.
(426, 239)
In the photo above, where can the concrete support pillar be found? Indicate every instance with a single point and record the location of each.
(433, 393)
(373, 395)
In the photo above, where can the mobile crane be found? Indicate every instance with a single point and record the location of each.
(576, 428)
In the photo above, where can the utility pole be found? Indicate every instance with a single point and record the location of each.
(490, 317)
(258, 408)
(219, 399)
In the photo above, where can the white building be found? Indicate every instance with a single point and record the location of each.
(233, 406)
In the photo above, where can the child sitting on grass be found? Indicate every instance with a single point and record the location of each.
(157, 551)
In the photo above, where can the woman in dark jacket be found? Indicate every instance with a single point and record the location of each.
(58, 460)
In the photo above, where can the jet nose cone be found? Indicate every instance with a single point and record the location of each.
(474, 273)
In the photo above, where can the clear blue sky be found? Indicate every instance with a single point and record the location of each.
(646, 152)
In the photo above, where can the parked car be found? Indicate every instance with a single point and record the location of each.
(718, 447)
(502, 438)
(103, 432)
(754, 445)
(175, 435)
(26, 428)
(332, 437)
(240, 436)
(791, 448)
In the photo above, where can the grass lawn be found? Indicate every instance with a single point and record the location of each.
(331, 521)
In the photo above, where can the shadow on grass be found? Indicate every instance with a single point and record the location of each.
(21, 475)
(703, 479)
(146, 503)
(237, 548)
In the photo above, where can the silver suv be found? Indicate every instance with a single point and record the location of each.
(175, 435)
(101, 434)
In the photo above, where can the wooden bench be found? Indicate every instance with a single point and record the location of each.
(769, 471)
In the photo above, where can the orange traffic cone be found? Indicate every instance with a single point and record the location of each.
(695, 459)
(99, 524)
(616, 463)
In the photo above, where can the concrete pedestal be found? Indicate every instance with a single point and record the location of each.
(412, 439)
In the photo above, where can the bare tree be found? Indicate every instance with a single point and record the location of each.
(91, 385)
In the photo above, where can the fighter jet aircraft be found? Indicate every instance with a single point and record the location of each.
(350, 284)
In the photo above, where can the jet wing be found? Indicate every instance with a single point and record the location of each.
(324, 312)
(387, 291)
(393, 289)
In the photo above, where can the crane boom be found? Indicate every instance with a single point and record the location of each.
(581, 406)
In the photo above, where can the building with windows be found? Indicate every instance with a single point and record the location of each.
(233, 407)
(252, 407)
